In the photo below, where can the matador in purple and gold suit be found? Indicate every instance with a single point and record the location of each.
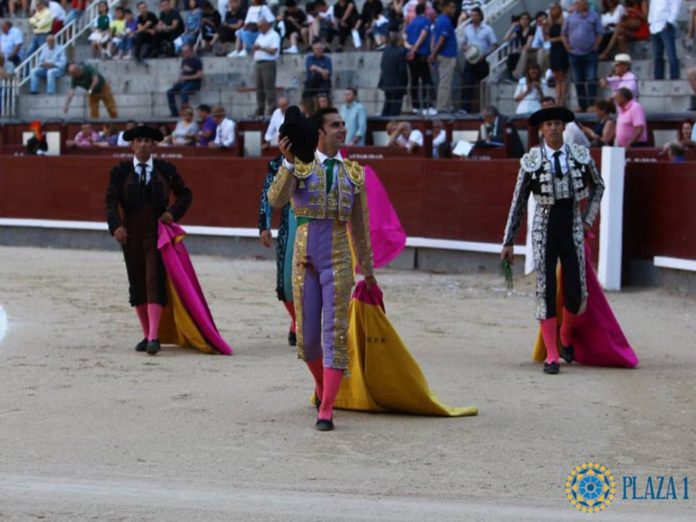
(327, 195)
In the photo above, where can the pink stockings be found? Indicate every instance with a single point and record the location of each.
(327, 383)
(149, 315)
(548, 332)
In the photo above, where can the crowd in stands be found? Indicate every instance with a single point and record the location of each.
(433, 50)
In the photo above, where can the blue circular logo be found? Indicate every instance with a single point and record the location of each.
(590, 488)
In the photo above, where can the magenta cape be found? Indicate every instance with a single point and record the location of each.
(597, 336)
(194, 325)
(387, 236)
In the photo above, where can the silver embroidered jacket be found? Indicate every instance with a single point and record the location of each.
(536, 176)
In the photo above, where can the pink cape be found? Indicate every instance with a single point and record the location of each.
(184, 282)
(387, 236)
(597, 336)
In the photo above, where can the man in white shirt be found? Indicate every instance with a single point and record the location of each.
(52, 64)
(270, 139)
(481, 35)
(58, 15)
(266, 51)
(662, 17)
(225, 130)
(403, 135)
(11, 41)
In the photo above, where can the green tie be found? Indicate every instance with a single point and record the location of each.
(329, 165)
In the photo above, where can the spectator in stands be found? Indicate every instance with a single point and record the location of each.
(11, 41)
(51, 66)
(662, 17)
(250, 32)
(603, 132)
(355, 118)
(633, 26)
(144, 33)
(266, 51)
(206, 126)
(270, 138)
(184, 133)
(58, 16)
(318, 71)
(12, 5)
(189, 81)
(87, 137)
(631, 125)
(345, 17)
(537, 48)
(323, 101)
(558, 54)
(478, 37)
(41, 22)
(107, 137)
(224, 130)
(36, 145)
(683, 142)
(77, 9)
(296, 27)
(378, 32)
(612, 14)
(444, 55)
(439, 138)
(120, 142)
(168, 29)
(118, 32)
(530, 90)
(323, 21)
(101, 30)
(370, 11)
(393, 79)
(468, 6)
(418, 45)
(395, 15)
(410, 14)
(573, 133)
(401, 134)
(125, 45)
(493, 130)
(167, 136)
(583, 34)
(232, 22)
(210, 24)
(521, 34)
(622, 77)
(97, 88)
(192, 24)
(676, 152)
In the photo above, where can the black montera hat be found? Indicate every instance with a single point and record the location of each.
(551, 114)
(143, 131)
(302, 132)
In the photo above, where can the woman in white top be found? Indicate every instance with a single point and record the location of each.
(186, 129)
(530, 90)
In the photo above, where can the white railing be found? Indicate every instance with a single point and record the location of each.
(494, 9)
(8, 96)
(65, 37)
(499, 57)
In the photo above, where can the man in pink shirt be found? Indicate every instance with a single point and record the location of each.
(631, 125)
(622, 77)
(85, 138)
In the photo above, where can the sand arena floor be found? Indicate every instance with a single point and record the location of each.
(90, 430)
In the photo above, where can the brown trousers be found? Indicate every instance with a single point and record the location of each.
(107, 97)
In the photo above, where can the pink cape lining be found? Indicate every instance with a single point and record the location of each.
(387, 236)
(182, 275)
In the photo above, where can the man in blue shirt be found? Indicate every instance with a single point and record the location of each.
(51, 66)
(481, 36)
(318, 68)
(582, 36)
(444, 54)
(355, 118)
(418, 46)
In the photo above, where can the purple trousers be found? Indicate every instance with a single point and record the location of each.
(322, 281)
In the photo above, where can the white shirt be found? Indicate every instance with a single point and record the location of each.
(224, 133)
(9, 41)
(149, 165)
(662, 12)
(57, 11)
(222, 8)
(56, 56)
(255, 13)
(439, 139)
(532, 101)
(549, 152)
(416, 137)
(270, 40)
(615, 17)
(573, 134)
(321, 157)
(482, 36)
(277, 119)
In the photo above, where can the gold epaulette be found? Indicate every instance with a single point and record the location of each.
(303, 170)
(356, 173)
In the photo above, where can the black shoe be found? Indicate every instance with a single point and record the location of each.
(153, 347)
(566, 353)
(552, 368)
(325, 425)
(141, 346)
(292, 339)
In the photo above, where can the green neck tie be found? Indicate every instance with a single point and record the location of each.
(329, 167)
